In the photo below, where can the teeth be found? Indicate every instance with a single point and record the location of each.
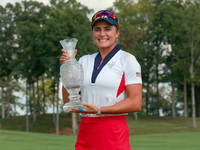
(102, 40)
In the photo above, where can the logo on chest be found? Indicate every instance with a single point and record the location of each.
(111, 64)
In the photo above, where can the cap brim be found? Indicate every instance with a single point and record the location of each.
(112, 22)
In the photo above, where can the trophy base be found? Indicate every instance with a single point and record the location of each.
(71, 105)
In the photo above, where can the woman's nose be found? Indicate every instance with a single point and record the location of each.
(102, 32)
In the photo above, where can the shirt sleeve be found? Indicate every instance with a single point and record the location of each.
(132, 70)
(80, 60)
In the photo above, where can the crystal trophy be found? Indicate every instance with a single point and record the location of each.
(71, 73)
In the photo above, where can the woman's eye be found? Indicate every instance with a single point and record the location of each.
(108, 29)
(96, 29)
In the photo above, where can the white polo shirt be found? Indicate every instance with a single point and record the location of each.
(105, 86)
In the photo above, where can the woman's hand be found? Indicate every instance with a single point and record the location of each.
(65, 56)
(90, 109)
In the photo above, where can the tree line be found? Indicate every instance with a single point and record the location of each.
(164, 37)
(162, 34)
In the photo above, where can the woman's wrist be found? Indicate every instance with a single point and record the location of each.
(98, 111)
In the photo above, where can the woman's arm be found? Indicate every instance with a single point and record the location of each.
(132, 103)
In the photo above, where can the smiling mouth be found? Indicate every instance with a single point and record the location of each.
(102, 40)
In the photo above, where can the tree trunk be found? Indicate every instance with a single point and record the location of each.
(43, 91)
(8, 96)
(57, 108)
(197, 102)
(192, 75)
(54, 120)
(185, 98)
(30, 99)
(38, 99)
(193, 106)
(2, 103)
(74, 124)
(157, 91)
(34, 109)
(27, 118)
(136, 115)
(147, 95)
(173, 102)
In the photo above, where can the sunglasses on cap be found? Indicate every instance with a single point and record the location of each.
(103, 14)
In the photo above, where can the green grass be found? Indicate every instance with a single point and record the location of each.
(144, 124)
(147, 133)
(158, 125)
(167, 141)
(16, 140)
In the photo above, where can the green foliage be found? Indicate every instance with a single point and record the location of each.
(7, 40)
(30, 32)
(30, 20)
(147, 27)
(66, 20)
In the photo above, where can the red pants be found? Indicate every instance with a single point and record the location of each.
(103, 133)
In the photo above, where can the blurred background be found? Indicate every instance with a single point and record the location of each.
(164, 36)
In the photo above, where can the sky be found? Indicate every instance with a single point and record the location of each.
(92, 4)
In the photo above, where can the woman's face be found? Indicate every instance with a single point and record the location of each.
(104, 35)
